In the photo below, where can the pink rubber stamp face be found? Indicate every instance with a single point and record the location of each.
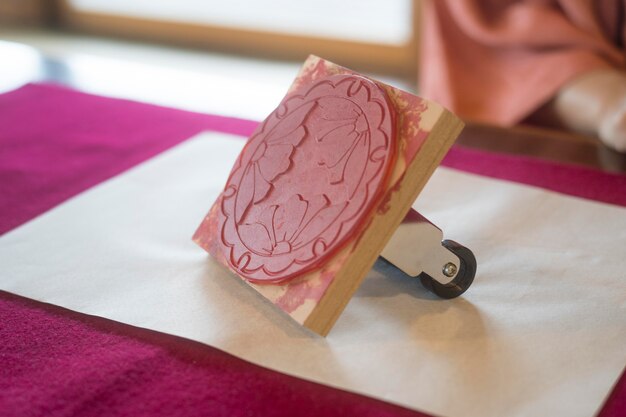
(307, 179)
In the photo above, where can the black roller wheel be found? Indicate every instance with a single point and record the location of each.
(464, 276)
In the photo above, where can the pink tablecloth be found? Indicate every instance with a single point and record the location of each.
(56, 143)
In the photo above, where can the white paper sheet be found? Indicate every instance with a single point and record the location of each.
(542, 332)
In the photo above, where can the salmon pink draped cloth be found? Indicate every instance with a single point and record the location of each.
(497, 61)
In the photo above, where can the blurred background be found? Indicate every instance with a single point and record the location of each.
(235, 58)
(238, 58)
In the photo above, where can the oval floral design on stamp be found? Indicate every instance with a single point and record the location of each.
(307, 179)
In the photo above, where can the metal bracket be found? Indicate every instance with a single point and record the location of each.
(416, 248)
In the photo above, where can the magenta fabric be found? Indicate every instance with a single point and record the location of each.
(563, 178)
(56, 143)
(56, 362)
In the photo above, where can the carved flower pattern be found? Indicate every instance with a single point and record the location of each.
(306, 177)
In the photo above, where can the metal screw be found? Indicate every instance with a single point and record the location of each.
(449, 270)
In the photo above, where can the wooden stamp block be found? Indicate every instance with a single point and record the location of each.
(321, 186)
